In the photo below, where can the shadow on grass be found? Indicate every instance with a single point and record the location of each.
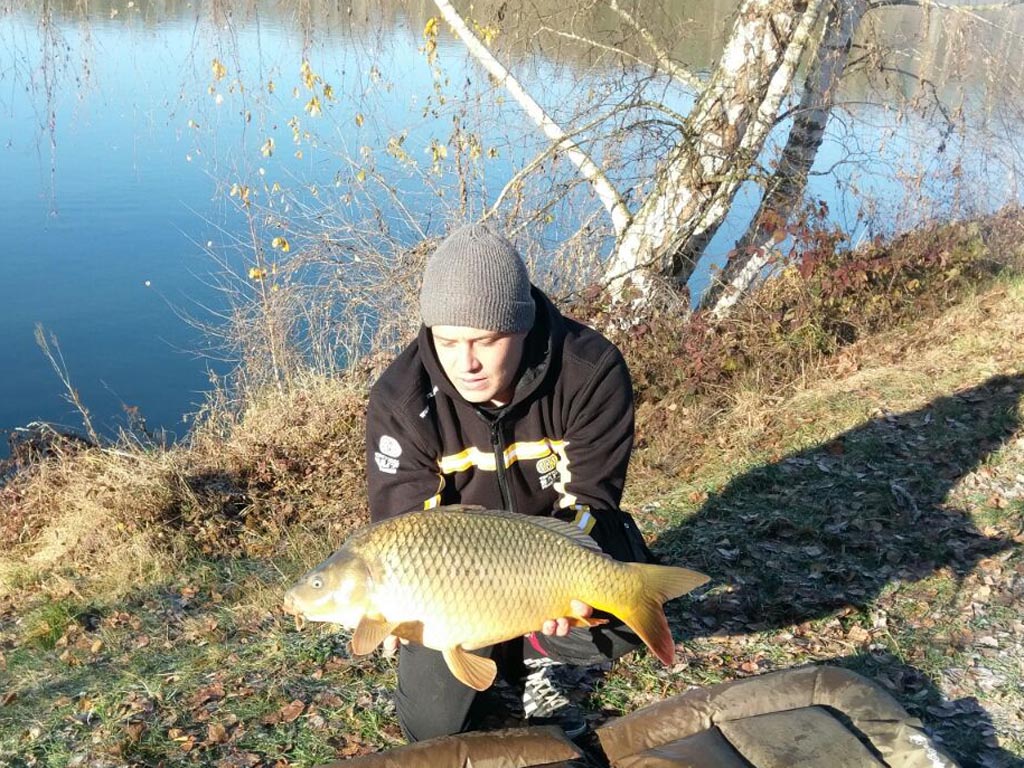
(829, 527)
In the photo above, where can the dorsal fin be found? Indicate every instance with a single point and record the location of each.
(563, 528)
(552, 524)
(469, 508)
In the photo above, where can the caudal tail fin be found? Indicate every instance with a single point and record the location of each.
(646, 616)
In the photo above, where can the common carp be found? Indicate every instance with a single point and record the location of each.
(457, 579)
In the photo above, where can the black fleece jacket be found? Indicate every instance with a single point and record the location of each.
(560, 447)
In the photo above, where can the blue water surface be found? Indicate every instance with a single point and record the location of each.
(122, 134)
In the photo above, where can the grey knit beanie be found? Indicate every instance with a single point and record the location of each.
(477, 279)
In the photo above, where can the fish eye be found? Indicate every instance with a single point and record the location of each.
(317, 582)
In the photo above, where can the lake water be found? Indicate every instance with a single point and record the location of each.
(123, 132)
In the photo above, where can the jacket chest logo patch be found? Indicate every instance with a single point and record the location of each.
(390, 447)
(387, 454)
(547, 464)
(547, 468)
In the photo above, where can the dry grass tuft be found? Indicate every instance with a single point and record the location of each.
(297, 457)
(283, 477)
(93, 516)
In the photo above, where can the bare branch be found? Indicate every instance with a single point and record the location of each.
(965, 10)
(593, 44)
(662, 58)
(968, 9)
(590, 171)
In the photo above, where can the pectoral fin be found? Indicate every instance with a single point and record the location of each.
(369, 634)
(478, 672)
(409, 630)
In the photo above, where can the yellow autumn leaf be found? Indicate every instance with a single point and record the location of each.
(313, 107)
(309, 78)
(281, 243)
(359, 119)
(488, 33)
(328, 92)
(219, 70)
(240, 191)
(255, 273)
(361, 176)
(430, 28)
(268, 147)
(270, 86)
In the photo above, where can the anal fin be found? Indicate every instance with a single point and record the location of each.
(583, 621)
(369, 634)
(478, 672)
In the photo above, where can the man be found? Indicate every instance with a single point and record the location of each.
(504, 403)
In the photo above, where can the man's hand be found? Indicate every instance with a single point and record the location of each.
(390, 645)
(560, 627)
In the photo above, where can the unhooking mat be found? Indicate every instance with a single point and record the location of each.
(813, 717)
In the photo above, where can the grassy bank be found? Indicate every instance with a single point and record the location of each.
(849, 470)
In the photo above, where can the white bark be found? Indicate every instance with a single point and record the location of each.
(606, 193)
(694, 187)
(785, 191)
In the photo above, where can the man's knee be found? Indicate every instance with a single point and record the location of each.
(429, 701)
(426, 717)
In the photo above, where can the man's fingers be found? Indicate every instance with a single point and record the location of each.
(390, 645)
(560, 626)
(581, 609)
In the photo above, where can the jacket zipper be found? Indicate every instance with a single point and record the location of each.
(499, 462)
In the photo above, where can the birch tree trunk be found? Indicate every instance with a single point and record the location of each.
(786, 189)
(693, 189)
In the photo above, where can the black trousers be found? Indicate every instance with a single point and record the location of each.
(431, 702)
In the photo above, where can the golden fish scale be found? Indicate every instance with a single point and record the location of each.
(476, 579)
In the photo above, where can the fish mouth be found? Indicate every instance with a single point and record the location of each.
(294, 611)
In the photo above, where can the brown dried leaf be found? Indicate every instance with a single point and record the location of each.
(330, 700)
(858, 635)
(290, 712)
(207, 693)
(216, 733)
